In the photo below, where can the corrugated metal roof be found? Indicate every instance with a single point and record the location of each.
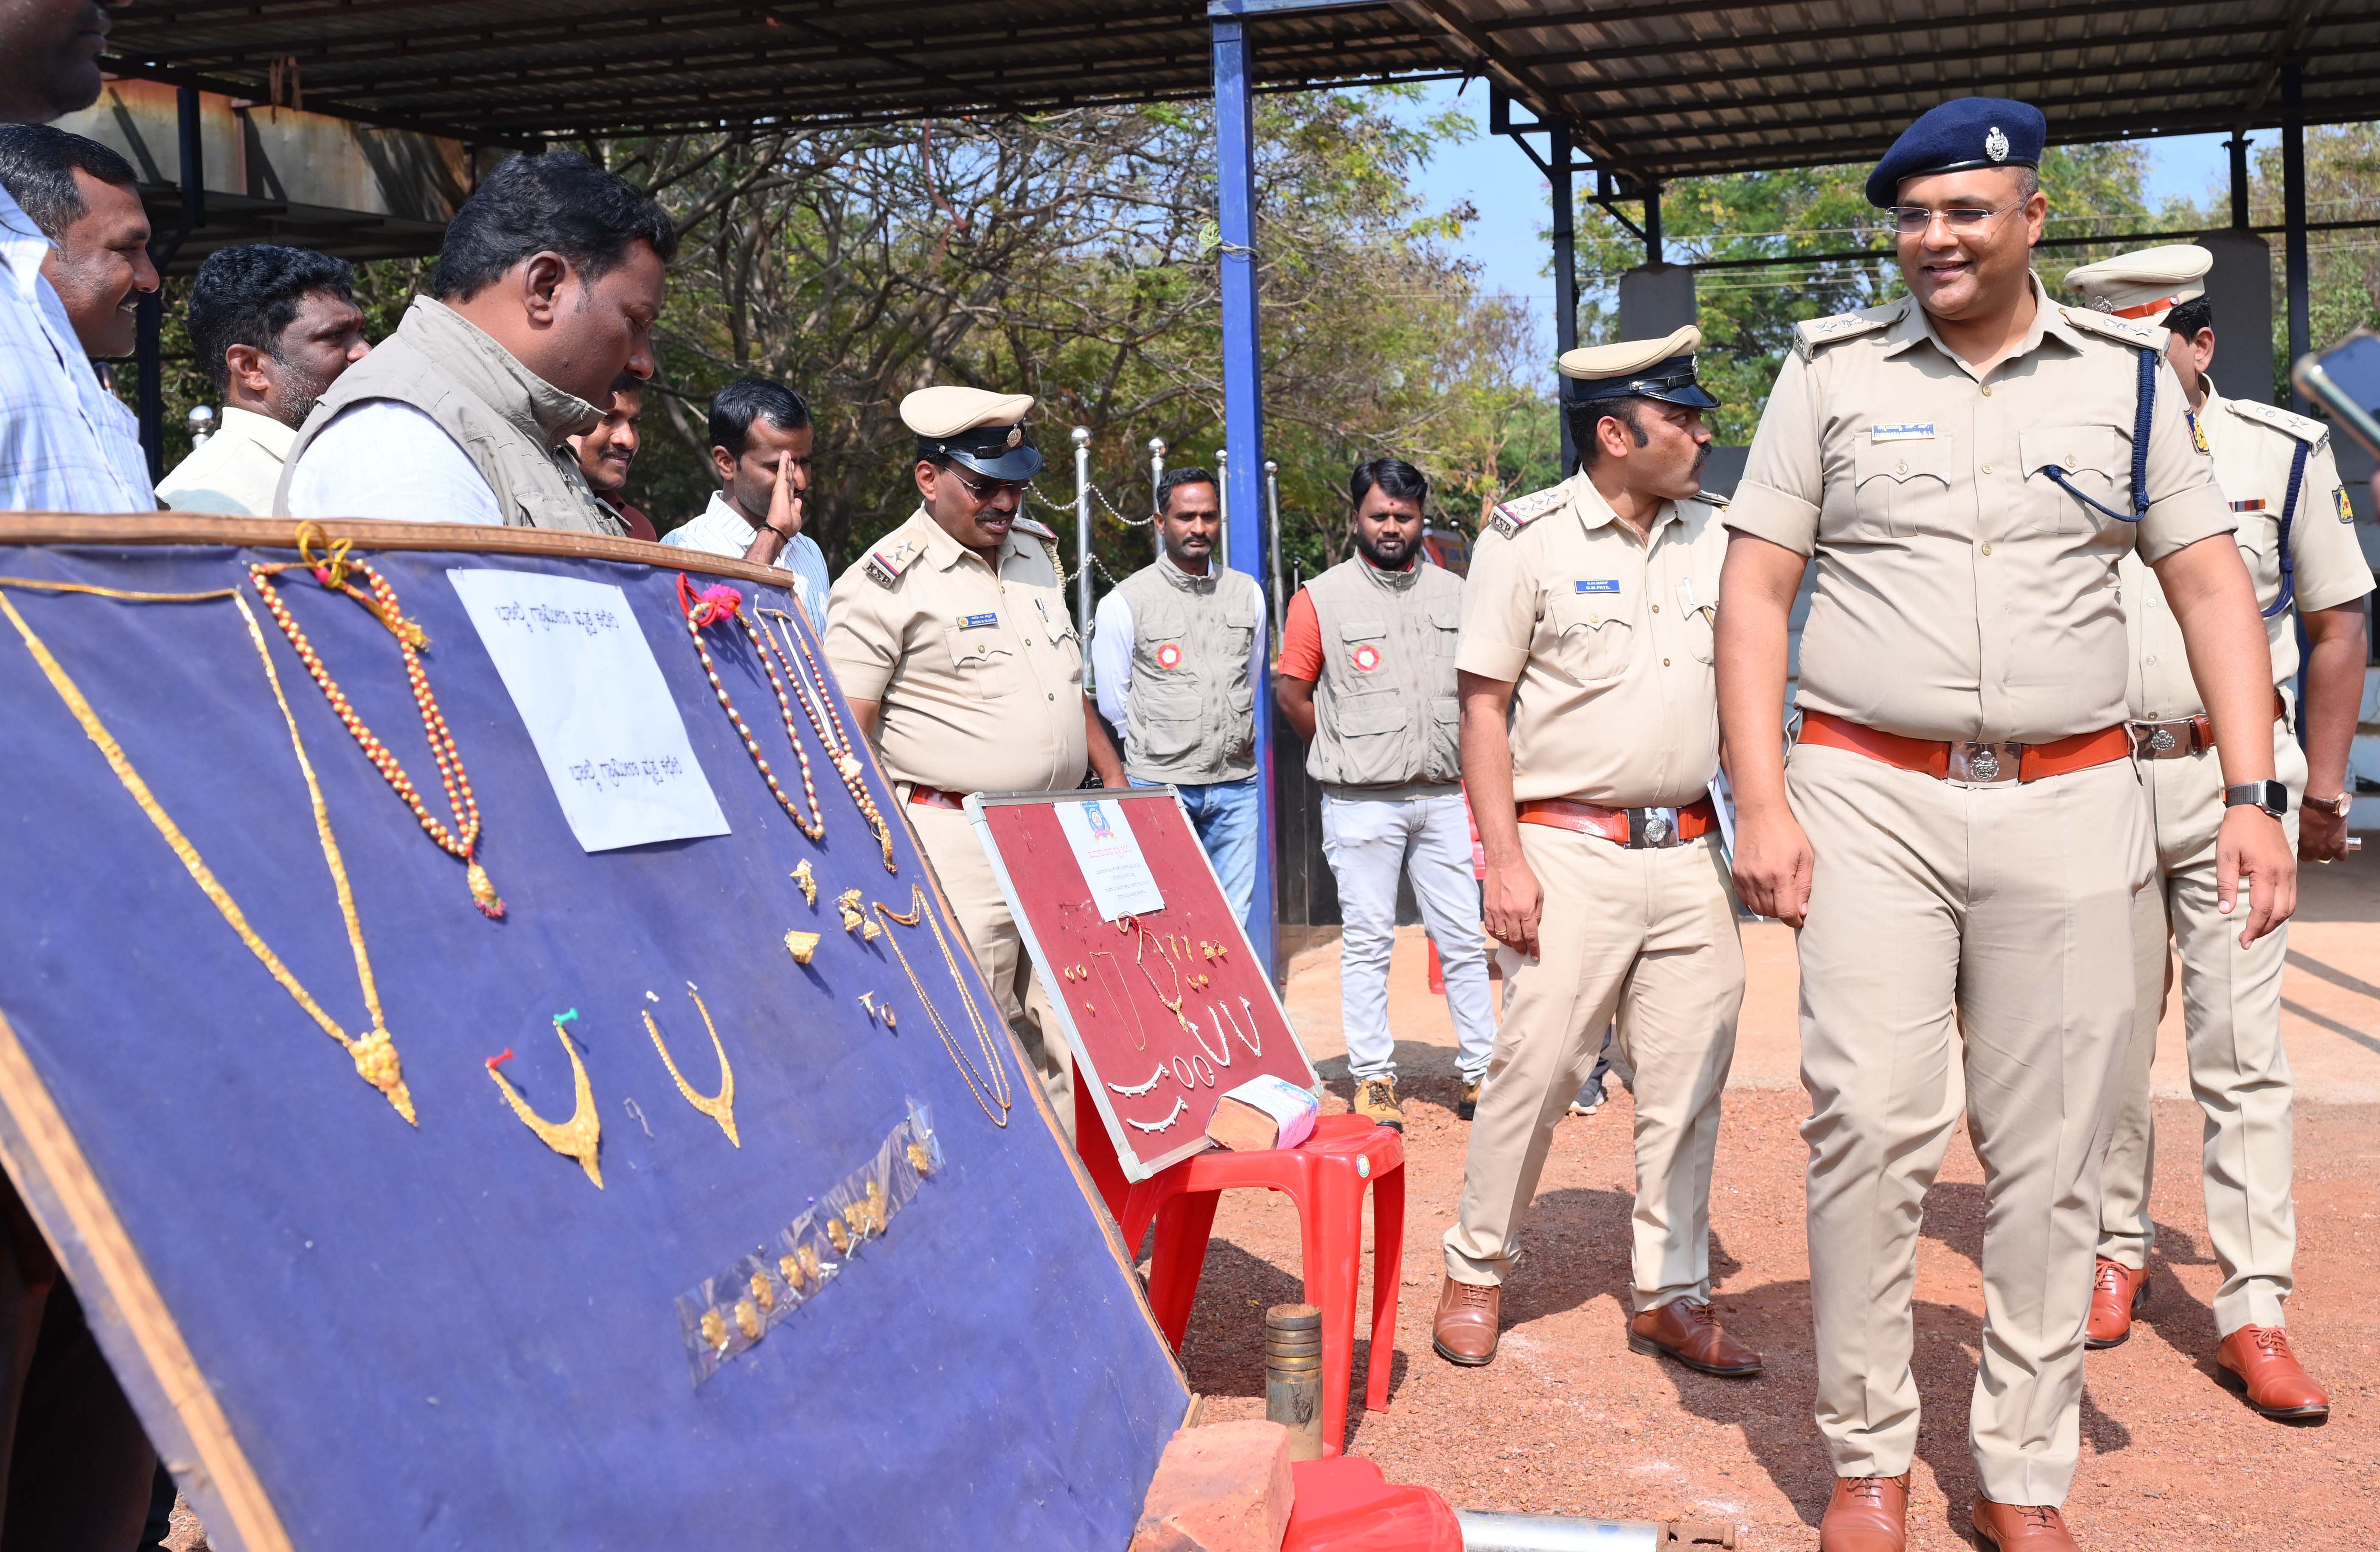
(1653, 88)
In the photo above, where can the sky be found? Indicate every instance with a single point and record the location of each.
(1508, 241)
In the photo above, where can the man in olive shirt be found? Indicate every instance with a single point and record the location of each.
(1962, 832)
(952, 640)
(2297, 536)
(1590, 737)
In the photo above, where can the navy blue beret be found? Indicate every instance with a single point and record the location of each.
(1954, 136)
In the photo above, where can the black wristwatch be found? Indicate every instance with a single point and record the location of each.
(2270, 796)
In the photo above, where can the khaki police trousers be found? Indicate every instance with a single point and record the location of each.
(2240, 1074)
(950, 842)
(1966, 949)
(1648, 936)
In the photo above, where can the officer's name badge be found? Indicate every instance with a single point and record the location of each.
(1903, 431)
(977, 622)
(1588, 584)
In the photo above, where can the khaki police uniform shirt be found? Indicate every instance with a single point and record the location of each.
(980, 676)
(2253, 446)
(1606, 639)
(1961, 594)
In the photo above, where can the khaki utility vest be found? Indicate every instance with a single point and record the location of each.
(1190, 714)
(507, 420)
(1384, 711)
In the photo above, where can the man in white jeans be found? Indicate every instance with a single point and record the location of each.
(1366, 677)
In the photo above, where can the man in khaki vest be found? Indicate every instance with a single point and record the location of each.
(545, 292)
(1962, 832)
(2297, 536)
(1366, 677)
(1590, 738)
(952, 640)
(1174, 651)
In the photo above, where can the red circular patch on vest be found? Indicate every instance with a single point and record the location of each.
(1365, 658)
(1168, 655)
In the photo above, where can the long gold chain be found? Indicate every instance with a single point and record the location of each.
(709, 607)
(375, 1054)
(462, 841)
(810, 684)
(996, 1086)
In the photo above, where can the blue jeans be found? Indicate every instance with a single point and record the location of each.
(1225, 814)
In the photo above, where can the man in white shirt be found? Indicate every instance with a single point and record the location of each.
(275, 327)
(760, 437)
(546, 291)
(73, 254)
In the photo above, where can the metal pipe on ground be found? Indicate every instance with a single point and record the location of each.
(1483, 1532)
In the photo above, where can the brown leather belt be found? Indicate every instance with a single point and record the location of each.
(1639, 828)
(1979, 765)
(934, 797)
(2184, 736)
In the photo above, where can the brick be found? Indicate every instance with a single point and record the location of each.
(1224, 1488)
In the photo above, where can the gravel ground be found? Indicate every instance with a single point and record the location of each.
(1568, 1421)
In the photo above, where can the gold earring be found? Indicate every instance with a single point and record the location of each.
(801, 876)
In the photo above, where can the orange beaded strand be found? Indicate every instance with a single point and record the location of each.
(826, 723)
(462, 841)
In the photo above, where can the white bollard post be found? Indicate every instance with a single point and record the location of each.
(1155, 473)
(1223, 504)
(1272, 496)
(1083, 544)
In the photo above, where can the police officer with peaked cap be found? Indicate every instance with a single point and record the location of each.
(1959, 830)
(2297, 536)
(952, 640)
(1590, 738)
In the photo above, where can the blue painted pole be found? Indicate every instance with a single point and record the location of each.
(1235, 187)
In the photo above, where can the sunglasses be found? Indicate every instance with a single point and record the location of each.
(983, 490)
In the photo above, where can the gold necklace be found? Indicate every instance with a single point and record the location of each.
(708, 608)
(462, 841)
(582, 1134)
(809, 684)
(1123, 995)
(720, 1107)
(374, 1052)
(1173, 1004)
(987, 1091)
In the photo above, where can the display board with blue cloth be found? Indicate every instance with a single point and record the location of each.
(441, 1163)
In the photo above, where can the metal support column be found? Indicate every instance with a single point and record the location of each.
(2237, 146)
(1565, 270)
(1653, 225)
(149, 315)
(1083, 540)
(2293, 220)
(1243, 408)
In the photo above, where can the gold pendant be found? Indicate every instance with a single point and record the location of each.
(803, 876)
(801, 946)
(721, 1106)
(582, 1134)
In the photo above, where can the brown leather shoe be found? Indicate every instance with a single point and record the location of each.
(1866, 1514)
(1468, 1105)
(2256, 1360)
(1464, 1331)
(2022, 1527)
(1689, 1332)
(1376, 1101)
(2117, 1294)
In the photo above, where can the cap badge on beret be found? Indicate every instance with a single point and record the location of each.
(1996, 144)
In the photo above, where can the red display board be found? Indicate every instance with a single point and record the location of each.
(1166, 1010)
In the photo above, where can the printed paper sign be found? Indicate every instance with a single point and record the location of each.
(1109, 857)
(583, 678)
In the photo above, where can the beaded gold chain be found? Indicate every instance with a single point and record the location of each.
(462, 841)
(373, 1052)
(810, 682)
(711, 606)
(996, 1086)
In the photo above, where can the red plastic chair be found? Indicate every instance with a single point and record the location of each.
(1346, 1505)
(1326, 1176)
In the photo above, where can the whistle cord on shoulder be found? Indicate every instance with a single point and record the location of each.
(2141, 418)
(2288, 514)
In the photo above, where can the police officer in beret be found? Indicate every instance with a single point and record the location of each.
(2297, 536)
(951, 638)
(1960, 831)
(1590, 738)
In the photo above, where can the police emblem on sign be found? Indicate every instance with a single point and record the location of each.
(1996, 144)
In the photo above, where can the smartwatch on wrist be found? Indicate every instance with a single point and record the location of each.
(2270, 796)
(2335, 807)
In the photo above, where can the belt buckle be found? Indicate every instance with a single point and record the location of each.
(1983, 764)
(1653, 827)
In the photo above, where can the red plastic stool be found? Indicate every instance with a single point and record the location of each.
(1345, 1506)
(1326, 1177)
